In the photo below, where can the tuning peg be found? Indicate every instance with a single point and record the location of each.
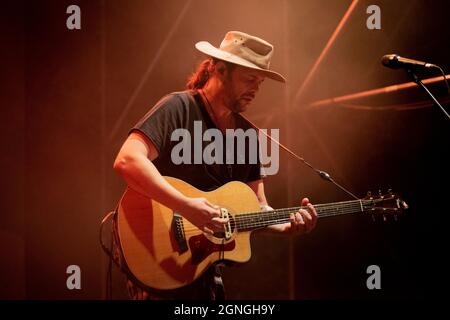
(369, 194)
(379, 193)
(384, 218)
(404, 205)
(373, 217)
(395, 217)
(390, 191)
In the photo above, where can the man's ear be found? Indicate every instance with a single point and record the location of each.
(221, 68)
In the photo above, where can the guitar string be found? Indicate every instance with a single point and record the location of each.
(195, 230)
(336, 204)
(279, 213)
(247, 220)
(257, 215)
(325, 212)
(241, 226)
(261, 222)
(277, 221)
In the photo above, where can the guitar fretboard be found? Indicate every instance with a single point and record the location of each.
(254, 220)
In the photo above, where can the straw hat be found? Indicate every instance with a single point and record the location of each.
(244, 50)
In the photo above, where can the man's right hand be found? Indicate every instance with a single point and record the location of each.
(204, 215)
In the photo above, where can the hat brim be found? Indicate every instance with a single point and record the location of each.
(210, 50)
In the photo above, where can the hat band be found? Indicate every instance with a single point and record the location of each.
(248, 54)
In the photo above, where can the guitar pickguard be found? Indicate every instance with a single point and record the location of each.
(201, 247)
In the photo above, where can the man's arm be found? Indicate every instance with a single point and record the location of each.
(134, 164)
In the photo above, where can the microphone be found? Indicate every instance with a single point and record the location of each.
(394, 61)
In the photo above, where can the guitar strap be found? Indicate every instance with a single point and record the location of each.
(217, 288)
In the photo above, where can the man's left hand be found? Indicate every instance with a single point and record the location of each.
(304, 220)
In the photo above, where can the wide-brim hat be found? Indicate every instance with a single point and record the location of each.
(244, 50)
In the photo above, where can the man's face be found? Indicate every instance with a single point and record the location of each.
(241, 86)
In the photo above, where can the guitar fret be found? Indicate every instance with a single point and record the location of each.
(253, 220)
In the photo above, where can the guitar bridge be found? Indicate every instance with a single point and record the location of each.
(227, 228)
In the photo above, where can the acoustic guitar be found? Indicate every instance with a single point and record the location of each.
(163, 250)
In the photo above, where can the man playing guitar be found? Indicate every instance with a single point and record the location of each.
(223, 86)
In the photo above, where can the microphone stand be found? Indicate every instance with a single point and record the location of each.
(416, 79)
(325, 176)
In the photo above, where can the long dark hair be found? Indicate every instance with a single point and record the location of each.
(200, 76)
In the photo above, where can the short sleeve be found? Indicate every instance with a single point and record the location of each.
(159, 123)
(255, 173)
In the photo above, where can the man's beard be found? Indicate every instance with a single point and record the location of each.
(237, 107)
(234, 104)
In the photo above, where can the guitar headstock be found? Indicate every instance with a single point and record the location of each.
(386, 205)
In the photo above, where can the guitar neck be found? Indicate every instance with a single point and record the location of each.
(256, 220)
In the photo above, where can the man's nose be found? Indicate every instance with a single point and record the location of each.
(255, 87)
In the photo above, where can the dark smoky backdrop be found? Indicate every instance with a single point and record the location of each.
(69, 98)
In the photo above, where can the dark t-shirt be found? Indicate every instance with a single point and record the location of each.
(185, 110)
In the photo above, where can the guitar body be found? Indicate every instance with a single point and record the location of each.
(164, 250)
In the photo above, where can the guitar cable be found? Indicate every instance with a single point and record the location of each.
(108, 252)
(322, 174)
